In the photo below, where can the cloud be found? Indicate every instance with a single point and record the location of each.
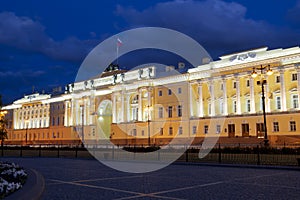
(221, 27)
(27, 34)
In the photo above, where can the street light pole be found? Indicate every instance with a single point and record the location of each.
(149, 143)
(27, 122)
(82, 123)
(262, 82)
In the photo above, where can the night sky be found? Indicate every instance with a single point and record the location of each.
(42, 43)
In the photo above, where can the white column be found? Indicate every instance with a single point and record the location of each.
(282, 91)
(238, 96)
(225, 104)
(71, 122)
(212, 97)
(66, 113)
(128, 107)
(267, 90)
(191, 100)
(122, 106)
(200, 107)
(114, 106)
(298, 86)
(140, 106)
(252, 97)
(149, 104)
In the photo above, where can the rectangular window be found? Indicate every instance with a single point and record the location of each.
(248, 108)
(295, 102)
(231, 130)
(275, 126)
(179, 110)
(234, 107)
(143, 132)
(277, 79)
(245, 130)
(209, 109)
(180, 130)
(222, 87)
(205, 129)
(248, 83)
(169, 92)
(160, 112)
(221, 107)
(218, 129)
(194, 129)
(293, 125)
(134, 132)
(170, 111)
(294, 77)
(161, 131)
(234, 85)
(179, 90)
(57, 121)
(170, 130)
(160, 93)
(53, 121)
(278, 103)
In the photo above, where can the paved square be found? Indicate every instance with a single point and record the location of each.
(89, 179)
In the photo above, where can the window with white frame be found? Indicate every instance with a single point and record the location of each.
(295, 101)
(294, 77)
(218, 129)
(275, 126)
(222, 87)
(160, 112)
(160, 93)
(209, 109)
(234, 106)
(278, 103)
(248, 105)
(135, 112)
(179, 110)
(221, 107)
(292, 125)
(277, 79)
(205, 129)
(179, 91)
(170, 130)
(194, 129)
(248, 83)
(161, 131)
(134, 132)
(234, 84)
(179, 130)
(169, 92)
(170, 113)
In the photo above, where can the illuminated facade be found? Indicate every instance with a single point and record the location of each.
(142, 107)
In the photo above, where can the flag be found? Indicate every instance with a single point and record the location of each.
(119, 42)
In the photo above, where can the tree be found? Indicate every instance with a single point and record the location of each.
(3, 123)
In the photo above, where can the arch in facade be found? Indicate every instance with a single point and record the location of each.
(104, 119)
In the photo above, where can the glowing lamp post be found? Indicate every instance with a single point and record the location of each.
(262, 82)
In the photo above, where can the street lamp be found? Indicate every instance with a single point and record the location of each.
(149, 142)
(27, 123)
(82, 123)
(262, 82)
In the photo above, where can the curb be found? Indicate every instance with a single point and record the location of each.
(275, 167)
(32, 189)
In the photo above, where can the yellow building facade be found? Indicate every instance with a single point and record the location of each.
(142, 107)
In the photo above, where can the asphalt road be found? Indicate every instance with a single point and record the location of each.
(89, 179)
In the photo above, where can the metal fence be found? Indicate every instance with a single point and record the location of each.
(253, 156)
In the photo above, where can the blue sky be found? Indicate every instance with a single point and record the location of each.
(42, 43)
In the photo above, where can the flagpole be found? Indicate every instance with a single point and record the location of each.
(117, 54)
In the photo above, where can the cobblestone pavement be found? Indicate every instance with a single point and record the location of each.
(89, 179)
